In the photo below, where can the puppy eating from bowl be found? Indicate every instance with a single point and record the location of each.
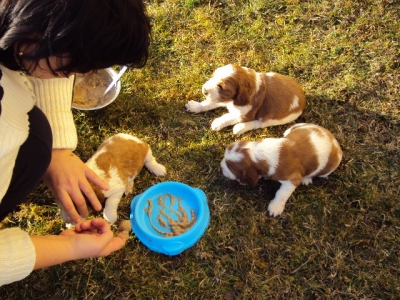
(253, 99)
(118, 160)
(306, 151)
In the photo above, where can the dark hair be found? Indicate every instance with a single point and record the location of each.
(94, 34)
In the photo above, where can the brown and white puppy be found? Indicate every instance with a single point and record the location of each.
(118, 161)
(254, 100)
(306, 151)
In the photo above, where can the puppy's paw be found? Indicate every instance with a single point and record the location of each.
(159, 170)
(69, 226)
(128, 188)
(124, 229)
(239, 129)
(306, 180)
(275, 208)
(217, 125)
(193, 106)
(125, 225)
(110, 215)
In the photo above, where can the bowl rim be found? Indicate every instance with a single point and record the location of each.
(117, 91)
(203, 212)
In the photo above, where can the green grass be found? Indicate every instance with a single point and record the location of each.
(337, 239)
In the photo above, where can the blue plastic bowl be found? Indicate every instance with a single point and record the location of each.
(169, 200)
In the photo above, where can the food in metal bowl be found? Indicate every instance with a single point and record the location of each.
(89, 90)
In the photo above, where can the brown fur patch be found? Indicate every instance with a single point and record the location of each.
(272, 100)
(227, 89)
(126, 155)
(244, 170)
(278, 97)
(245, 84)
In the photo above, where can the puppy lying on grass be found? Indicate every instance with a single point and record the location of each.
(254, 100)
(306, 151)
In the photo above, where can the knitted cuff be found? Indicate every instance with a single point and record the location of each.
(17, 255)
(54, 97)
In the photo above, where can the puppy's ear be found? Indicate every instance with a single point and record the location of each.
(242, 97)
(250, 176)
(246, 86)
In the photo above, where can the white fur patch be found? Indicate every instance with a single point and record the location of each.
(322, 148)
(259, 81)
(226, 172)
(233, 154)
(295, 103)
(115, 181)
(268, 150)
(238, 110)
(223, 72)
(270, 74)
(210, 88)
(241, 128)
(287, 119)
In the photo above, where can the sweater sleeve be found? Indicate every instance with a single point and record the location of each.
(17, 255)
(54, 98)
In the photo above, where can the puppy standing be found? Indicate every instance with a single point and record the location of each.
(305, 151)
(118, 161)
(254, 100)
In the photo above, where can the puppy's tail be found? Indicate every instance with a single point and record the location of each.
(153, 166)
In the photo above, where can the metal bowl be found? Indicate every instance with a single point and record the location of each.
(89, 89)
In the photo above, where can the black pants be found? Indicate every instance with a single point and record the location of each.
(33, 160)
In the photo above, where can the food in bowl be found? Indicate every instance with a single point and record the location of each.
(170, 217)
(89, 89)
(173, 221)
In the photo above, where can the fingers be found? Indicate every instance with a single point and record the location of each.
(75, 211)
(93, 177)
(98, 225)
(74, 204)
(87, 189)
(101, 225)
(64, 176)
(96, 238)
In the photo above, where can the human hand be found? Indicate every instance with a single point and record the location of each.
(94, 238)
(68, 178)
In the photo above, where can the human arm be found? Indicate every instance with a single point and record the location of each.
(67, 176)
(68, 179)
(21, 253)
(91, 238)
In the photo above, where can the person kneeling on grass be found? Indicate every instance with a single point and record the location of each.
(42, 45)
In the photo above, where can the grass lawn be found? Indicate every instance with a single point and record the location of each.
(337, 238)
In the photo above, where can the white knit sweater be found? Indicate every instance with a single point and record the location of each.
(21, 93)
